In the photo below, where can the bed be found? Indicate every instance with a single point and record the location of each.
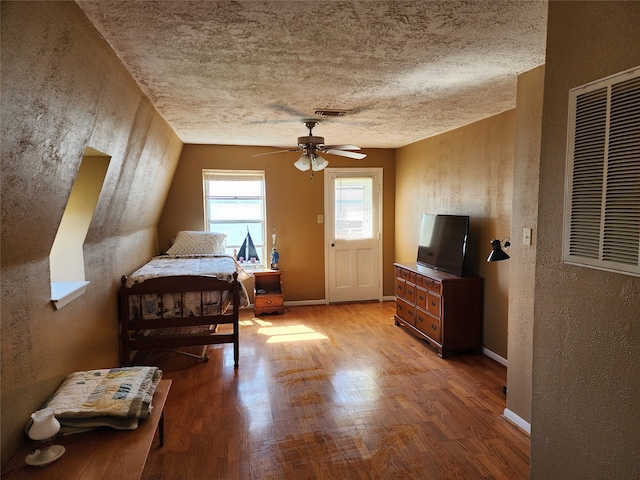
(179, 299)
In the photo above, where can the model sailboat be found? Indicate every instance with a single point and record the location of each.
(248, 252)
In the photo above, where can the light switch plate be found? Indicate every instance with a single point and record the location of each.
(526, 236)
(320, 218)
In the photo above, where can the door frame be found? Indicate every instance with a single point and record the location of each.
(378, 171)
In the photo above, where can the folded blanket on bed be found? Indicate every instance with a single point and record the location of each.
(115, 397)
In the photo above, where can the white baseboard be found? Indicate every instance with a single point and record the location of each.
(512, 417)
(494, 356)
(296, 303)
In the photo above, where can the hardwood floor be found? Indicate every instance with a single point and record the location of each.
(335, 392)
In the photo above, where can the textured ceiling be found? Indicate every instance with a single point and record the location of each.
(247, 72)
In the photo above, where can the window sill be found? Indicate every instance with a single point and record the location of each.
(63, 293)
(252, 267)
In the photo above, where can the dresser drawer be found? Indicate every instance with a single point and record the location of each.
(434, 304)
(421, 298)
(406, 311)
(400, 283)
(428, 324)
(410, 292)
(435, 287)
(406, 275)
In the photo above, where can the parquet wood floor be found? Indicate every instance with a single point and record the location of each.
(335, 392)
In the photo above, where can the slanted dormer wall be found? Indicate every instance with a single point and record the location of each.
(63, 89)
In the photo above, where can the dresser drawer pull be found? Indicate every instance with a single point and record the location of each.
(434, 327)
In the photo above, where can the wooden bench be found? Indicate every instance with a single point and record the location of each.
(99, 454)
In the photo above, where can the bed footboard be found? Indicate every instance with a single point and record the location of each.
(175, 312)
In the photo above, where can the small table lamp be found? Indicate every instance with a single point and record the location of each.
(44, 427)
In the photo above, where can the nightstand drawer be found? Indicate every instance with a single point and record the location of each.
(262, 301)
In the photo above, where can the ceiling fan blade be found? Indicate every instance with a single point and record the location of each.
(276, 151)
(340, 147)
(343, 153)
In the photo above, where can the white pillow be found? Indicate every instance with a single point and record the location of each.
(198, 243)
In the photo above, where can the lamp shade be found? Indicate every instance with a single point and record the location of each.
(318, 163)
(497, 253)
(45, 425)
(304, 163)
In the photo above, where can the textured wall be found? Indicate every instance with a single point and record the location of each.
(468, 171)
(526, 171)
(63, 89)
(586, 370)
(293, 204)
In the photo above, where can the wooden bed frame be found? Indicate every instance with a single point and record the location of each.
(177, 332)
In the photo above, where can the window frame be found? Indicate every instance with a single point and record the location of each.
(209, 174)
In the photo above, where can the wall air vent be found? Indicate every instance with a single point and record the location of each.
(602, 185)
(331, 113)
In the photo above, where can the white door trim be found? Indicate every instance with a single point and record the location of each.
(378, 171)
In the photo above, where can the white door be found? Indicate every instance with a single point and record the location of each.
(353, 238)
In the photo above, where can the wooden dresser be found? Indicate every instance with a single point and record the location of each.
(268, 296)
(443, 309)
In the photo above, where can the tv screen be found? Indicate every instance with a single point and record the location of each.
(443, 242)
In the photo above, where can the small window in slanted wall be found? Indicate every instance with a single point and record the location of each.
(66, 259)
(602, 193)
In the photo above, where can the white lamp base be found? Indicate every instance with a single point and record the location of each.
(45, 456)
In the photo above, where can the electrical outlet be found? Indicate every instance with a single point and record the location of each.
(320, 218)
(526, 236)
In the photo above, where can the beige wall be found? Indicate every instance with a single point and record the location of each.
(586, 339)
(467, 171)
(526, 171)
(63, 89)
(293, 204)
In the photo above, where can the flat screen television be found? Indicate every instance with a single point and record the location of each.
(443, 242)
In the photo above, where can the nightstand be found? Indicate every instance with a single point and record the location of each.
(268, 296)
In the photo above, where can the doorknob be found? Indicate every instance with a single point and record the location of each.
(333, 244)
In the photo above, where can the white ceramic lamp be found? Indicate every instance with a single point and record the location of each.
(44, 427)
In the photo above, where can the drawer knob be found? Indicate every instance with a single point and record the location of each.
(433, 327)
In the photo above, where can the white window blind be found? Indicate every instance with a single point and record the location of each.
(602, 195)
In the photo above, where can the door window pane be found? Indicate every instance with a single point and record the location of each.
(354, 213)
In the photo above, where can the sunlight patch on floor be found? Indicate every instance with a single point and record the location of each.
(254, 321)
(290, 333)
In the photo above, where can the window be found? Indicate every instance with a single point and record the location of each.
(602, 197)
(234, 204)
(66, 259)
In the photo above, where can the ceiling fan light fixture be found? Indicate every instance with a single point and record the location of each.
(318, 163)
(303, 163)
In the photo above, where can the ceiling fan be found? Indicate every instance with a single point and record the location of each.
(311, 145)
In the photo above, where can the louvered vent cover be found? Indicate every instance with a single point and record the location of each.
(602, 199)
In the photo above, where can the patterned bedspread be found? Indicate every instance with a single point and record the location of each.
(219, 266)
(116, 397)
